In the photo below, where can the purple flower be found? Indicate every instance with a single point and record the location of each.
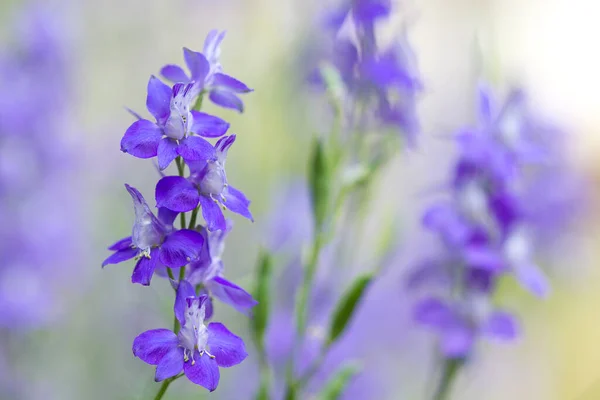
(154, 242)
(207, 74)
(177, 131)
(208, 272)
(39, 243)
(206, 186)
(460, 324)
(485, 226)
(387, 80)
(197, 350)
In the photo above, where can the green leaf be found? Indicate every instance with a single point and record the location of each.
(347, 306)
(319, 179)
(262, 295)
(336, 385)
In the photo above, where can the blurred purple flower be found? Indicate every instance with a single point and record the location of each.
(197, 350)
(485, 226)
(39, 192)
(386, 81)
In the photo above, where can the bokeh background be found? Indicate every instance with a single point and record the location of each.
(112, 47)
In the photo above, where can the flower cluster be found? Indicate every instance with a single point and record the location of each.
(487, 227)
(385, 83)
(40, 242)
(180, 132)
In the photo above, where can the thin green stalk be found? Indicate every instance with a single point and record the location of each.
(193, 218)
(266, 375)
(165, 386)
(170, 273)
(309, 275)
(180, 169)
(449, 373)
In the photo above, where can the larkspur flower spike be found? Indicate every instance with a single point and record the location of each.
(484, 229)
(180, 133)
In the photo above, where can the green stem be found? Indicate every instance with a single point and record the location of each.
(180, 169)
(170, 273)
(164, 387)
(309, 275)
(193, 218)
(449, 373)
(266, 376)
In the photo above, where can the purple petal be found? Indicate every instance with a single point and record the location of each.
(212, 42)
(482, 257)
(230, 84)
(148, 231)
(457, 340)
(194, 148)
(174, 73)
(141, 139)
(120, 256)
(167, 152)
(212, 213)
(222, 147)
(232, 294)
(121, 244)
(204, 371)
(208, 307)
(431, 271)
(158, 101)
(485, 105)
(443, 218)
(170, 365)
(228, 349)
(237, 202)
(167, 216)
(151, 346)
(143, 271)
(208, 125)
(532, 279)
(184, 290)
(197, 64)
(180, 248)
(434, 313)
(501, 325)
(135, 114)
(176, 193)
(226, 99)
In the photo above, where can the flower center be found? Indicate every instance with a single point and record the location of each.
(193, 335)
(214, 181)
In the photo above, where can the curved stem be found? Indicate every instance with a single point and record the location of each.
(165, 385)
(449, 373)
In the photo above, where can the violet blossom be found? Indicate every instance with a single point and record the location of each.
(154, 242)
(206, 73)
(197, 350)
(178, 130)
(207, 186)
(485, 227)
